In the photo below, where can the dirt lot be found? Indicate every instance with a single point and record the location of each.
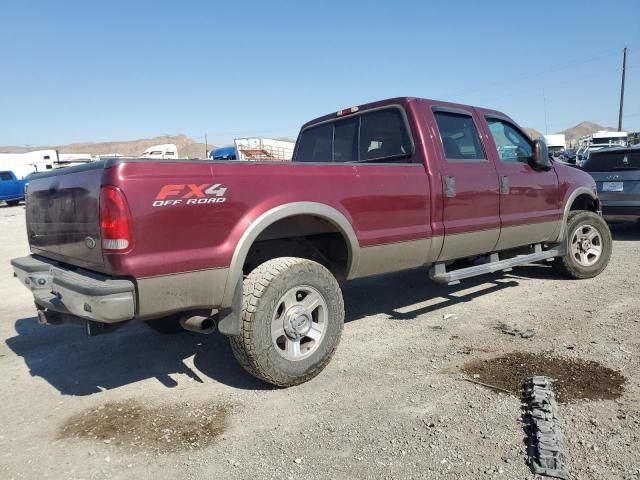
(391, 404)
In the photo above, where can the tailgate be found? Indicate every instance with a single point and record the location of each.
(63, 215)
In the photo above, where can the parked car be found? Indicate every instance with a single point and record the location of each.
(570, 155)
(258, 248)
(617, 175)
(224, 153)
(11, 188)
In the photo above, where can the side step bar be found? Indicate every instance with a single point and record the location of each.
(439, 274)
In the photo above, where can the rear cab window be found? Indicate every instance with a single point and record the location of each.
(380, 136)
(5, 176)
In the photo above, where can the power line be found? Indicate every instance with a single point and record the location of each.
(558, 68)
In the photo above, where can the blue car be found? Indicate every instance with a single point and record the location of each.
(224, 153)
(11, 187)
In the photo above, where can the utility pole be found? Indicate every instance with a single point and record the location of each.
(624, 68)
(206, 147)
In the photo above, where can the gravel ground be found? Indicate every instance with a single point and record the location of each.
(391, 404)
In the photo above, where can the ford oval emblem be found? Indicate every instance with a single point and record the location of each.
(90, 242)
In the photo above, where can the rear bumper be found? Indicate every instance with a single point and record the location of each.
(621, 213)
(79, 292)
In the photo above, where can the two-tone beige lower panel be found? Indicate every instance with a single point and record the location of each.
(166, 294)
(393, 257)
(519, 235)
(468, 244)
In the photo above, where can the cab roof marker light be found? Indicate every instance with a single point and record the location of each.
(347, 111)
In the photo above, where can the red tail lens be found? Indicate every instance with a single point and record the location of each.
(115, 221)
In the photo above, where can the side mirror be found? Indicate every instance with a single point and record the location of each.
(541, 160)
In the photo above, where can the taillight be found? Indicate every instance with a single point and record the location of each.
(347, 111)
(115, 220)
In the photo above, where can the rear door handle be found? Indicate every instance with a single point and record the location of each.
(449, 186)
(504, 184)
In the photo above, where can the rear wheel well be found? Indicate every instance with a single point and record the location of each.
(585, 202)
(303, 236)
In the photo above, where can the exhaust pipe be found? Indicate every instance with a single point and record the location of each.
(205, 324)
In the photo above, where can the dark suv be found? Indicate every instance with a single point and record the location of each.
(617, 174)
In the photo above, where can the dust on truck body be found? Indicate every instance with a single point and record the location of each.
(258, 248)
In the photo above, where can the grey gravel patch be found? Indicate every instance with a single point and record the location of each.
(515, 331)
(163, 429)
(545, 442)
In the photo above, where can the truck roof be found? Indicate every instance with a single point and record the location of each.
(403, 101)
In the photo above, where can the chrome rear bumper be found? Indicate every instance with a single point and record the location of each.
(78, 292)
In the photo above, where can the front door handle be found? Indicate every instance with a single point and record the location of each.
(504, 184)
(449, 186)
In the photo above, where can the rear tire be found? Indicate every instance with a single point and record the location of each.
(12, 203)
(588, 244)
(292, 319)
(166, 325)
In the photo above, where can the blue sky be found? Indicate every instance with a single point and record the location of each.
(94, 71)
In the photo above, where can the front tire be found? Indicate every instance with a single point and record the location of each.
(12, 203)
(293, 314)
(588, 246)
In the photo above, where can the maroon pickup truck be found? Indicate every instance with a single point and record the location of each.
(257, 250)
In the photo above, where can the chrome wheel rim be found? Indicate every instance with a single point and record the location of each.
(586, 245)
(299, 323)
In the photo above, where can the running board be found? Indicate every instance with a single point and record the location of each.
(439, 274)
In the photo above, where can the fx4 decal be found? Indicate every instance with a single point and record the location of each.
(190, 194)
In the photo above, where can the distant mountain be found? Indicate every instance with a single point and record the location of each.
(533, 133)
(580, 130)
(186, 147)
(584, 128)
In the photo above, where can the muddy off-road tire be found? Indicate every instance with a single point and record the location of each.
(292, 319)
(589, 245)
(166, 325)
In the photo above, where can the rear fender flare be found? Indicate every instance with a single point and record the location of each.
(229, 309)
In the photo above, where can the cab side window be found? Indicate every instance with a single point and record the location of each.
(512, 145)
(460, 138)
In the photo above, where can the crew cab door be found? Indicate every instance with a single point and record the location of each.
(470, 190)
(529, 201)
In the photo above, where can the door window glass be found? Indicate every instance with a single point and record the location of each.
(459, 136)
(512, 145)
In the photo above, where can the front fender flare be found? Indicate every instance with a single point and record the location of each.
(567, 208)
